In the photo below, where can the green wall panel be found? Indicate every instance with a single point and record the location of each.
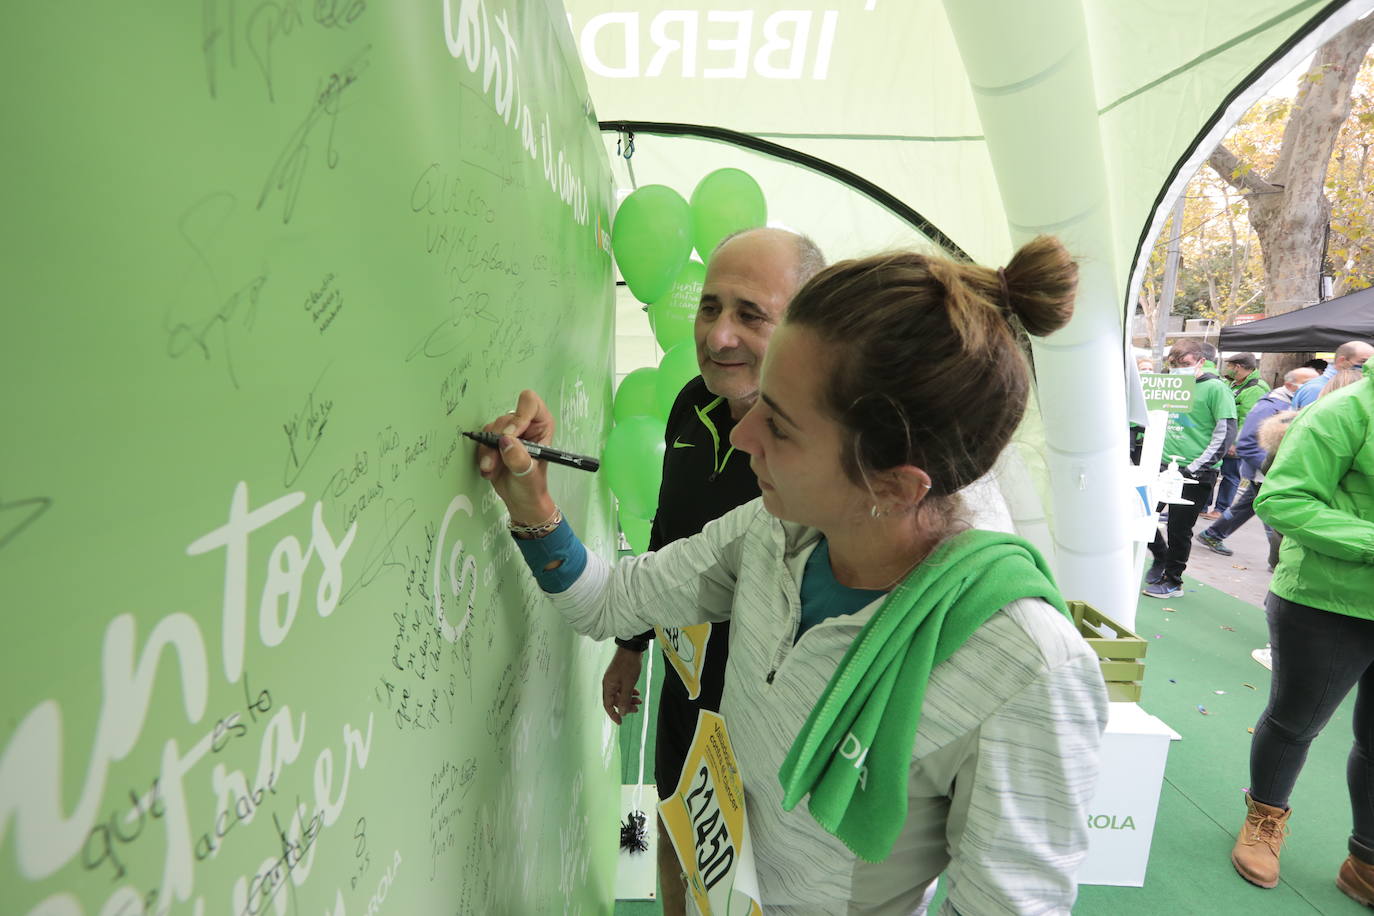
(267, 647)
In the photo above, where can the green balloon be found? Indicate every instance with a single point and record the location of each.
(677, 368)
(725, 201)
(675, 315)
(652, 239)
(637, 531)
(637, 395)
(633, 464)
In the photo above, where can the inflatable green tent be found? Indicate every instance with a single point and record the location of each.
(973, 125)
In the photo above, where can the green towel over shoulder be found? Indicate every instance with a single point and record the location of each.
(868, 714)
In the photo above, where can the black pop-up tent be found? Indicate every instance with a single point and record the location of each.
(1321, 327)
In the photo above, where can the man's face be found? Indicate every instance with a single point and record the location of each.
(1237, 372)
(1356, 360)
(748, 285)
(1177, 360)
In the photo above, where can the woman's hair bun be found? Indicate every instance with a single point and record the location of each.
(1042, 279)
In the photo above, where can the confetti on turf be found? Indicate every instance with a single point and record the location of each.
(1229, 629)
(1172, 681)
(1170, 610)
(1250, 730)
(1159, 636)
(1234, 566)
(1203, 710)
(1251, 686)
(1219, 692)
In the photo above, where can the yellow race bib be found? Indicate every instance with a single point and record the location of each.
(706, 822)
(686, 651)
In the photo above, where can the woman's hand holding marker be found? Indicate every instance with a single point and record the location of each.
(519, 480)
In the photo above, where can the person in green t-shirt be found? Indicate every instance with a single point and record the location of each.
(1247, 387)
(1197, 439)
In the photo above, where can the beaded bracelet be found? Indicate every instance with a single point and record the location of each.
(536, 531)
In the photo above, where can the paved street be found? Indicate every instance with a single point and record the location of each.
(1245, 575)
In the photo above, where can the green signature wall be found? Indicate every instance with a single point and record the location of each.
(267, 646)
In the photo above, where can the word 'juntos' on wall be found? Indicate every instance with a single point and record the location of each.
(47, 838)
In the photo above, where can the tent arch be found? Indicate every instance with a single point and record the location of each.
(1329, 20)
(757, 144)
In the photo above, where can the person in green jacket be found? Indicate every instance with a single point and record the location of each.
(1198, 439)
(1247, 387)
(1320, 495)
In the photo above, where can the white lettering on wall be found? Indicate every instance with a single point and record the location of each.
(737, 44)
(629, 49)
(469, 36)
(46, 837)
(821, 69)
(614, 44)
(462, 573)
(233, 537)
(776, 43)
(685, 44)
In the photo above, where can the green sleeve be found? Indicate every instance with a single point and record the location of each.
(1247, 398)
(1223, 402)
(1299, 493)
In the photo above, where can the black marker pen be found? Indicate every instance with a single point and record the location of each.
(542, 452)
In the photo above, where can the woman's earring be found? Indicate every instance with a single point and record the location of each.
(875, 511)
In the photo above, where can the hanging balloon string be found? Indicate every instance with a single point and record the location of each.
(625, 149)
(634, 831)
(644, 727)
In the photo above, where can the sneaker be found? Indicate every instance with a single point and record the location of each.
(1154, 574)
(1211, 515)
(1264, 656)
(1163, 589)
(1214, 543)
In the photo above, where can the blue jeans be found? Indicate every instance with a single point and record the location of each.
(1228, 484)
(1241, 511)
(1318, 657)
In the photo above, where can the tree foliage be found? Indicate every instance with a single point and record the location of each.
(1287, 197)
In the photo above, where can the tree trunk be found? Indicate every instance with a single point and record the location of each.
(1289, 209)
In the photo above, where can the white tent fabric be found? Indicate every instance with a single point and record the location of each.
(994, 120)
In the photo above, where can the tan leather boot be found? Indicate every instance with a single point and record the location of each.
(1356, 879)
(1256, 853)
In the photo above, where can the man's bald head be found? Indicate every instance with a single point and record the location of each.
(1352, 354)
(805, 255)
(1296, 378)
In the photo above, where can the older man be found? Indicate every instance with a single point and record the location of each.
(1349, 355)
(752, 277)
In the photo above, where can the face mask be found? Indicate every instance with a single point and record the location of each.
(1184, 370)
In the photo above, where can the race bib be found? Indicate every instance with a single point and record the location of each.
(686, 651)
(706, 822)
